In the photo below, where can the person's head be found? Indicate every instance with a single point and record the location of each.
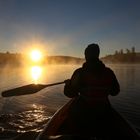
(92, 52)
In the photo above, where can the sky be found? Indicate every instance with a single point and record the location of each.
(66, 27)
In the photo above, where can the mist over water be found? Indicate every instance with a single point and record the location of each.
(31, 112)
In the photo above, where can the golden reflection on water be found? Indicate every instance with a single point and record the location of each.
(36, 72)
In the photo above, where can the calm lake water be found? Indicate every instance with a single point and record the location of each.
(31, 112)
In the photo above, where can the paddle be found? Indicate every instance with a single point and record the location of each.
(27, 89)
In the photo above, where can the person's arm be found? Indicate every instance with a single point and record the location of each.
(115, 87)
(71, 88)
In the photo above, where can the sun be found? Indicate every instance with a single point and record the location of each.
(36, 55)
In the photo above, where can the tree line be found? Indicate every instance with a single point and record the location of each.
(121, 56)
(13, 59)
(128, 51)
(16, 59)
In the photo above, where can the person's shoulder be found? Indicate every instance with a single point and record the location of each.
(109, 70)
(78, 70)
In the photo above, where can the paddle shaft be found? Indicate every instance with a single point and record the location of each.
(53, 84)
(27, 89)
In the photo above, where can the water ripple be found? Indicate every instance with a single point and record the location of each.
(31, 120)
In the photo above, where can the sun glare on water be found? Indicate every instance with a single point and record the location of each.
(36, 72)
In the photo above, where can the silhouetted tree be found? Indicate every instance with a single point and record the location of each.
(127, 51)
(116, 52)
(7, 52)
(133, 50)
(121, 51)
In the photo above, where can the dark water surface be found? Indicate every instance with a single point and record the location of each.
(31, 112)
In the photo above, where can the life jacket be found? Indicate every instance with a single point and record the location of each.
(95, 85)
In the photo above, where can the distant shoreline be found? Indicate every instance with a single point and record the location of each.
(14, 59)
(123, 58)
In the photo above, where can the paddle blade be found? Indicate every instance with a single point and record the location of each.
(24, 90)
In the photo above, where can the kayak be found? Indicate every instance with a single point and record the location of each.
(59, 127)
